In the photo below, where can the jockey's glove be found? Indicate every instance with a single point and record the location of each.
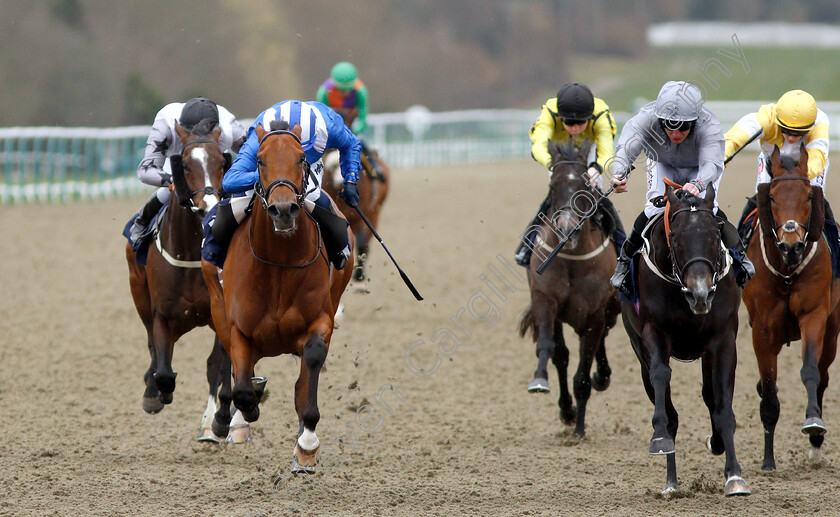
(350, 194)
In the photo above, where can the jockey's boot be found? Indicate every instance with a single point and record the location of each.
(219, 225)
(747, 269)
(334, 232)
(144, 217)
(745, 231)
(614, 224)
(631, 245)
(524, 249)
(374, 162)
(732, 240)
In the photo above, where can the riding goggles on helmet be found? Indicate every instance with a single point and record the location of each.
(793, 132)
(575, 121)
(676, 125)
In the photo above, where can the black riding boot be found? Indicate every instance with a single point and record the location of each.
(144, 217)
(732, 240)
(374, 162)
(744, 231)
(334, 232)
(634, 241)
(523, 252)
(613, 225)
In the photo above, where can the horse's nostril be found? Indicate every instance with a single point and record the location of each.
(272, 211)
(799, 247)
(294, 210)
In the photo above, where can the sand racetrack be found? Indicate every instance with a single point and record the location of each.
(466, 439)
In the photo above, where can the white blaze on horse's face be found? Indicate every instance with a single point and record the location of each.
(200, 155)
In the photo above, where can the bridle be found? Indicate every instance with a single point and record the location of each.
(263, 193)
(791, 226)
(719, 267)
(207, 189)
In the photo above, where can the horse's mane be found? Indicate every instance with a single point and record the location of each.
(204, 127)
(278, 124)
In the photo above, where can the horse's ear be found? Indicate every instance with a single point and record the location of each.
(775, 161)
(297, 130)
(672, 198)
(583, 155)
(553, 151)
(709, 197)
(817, 221)
(765, 210)
(802, 166)
(182, 133)
(260, 131)
(216, 133)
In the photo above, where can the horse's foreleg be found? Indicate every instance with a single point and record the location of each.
(215, 372)
(829, 352)
(766, 353)
(719, 372)
(568, 412)
(543, 313)
(151, 397)
(812, 328)
(306, 404)
(602, 373)
(590, 341)
(244, 396)
(664, 427)
(164, 344)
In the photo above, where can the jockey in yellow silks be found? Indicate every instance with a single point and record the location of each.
(574, 113)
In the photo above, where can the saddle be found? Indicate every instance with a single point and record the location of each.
(141, 245)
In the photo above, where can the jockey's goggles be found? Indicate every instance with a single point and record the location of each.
(575, 121)
(676, 125)
(793, 132)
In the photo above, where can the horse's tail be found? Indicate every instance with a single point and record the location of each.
(528, 323)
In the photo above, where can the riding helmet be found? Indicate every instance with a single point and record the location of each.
(796, 110)
(678, 101)
(344, 75)
(197, 109)
(575, 102)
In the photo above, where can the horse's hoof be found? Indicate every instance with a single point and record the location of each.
(669, 490)
(568, 416)
(600, 383)
(736, 485)
(711, 449)
(304, 462)
(207, 435)
(814, 426)
(660, 446)
(239, 434)
(539, 385)
(152, 405)
(815, 454)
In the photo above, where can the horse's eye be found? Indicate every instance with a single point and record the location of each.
(810, 197)
(260, 162)
(772, 199)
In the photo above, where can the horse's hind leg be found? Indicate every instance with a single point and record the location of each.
(242, 365)
(306, 405)
(568, 412)
(590, 341)
(164, 344)
(813, 334)
(829, 352)
(602, 373)
(543, 311)
(362, 242)
(151, 397)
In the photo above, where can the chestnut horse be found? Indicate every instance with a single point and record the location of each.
(373, 190)
(280, 293)
(169, 292)
(685, 269)
(792, 294)
(575, 288)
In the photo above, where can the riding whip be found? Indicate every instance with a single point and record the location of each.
(742, 147)
(402, 273)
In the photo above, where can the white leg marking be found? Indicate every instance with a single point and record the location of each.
(308, 441)
(238, 419)
(815, 454)
(209, 413)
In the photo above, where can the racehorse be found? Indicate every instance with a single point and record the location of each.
(169, 291)
(792, 294)
(575, 289)
(280, 293)
(685, 269)
(373, 190)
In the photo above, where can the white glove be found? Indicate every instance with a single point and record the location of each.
(593, 175)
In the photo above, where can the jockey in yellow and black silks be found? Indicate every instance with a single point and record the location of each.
(574, 113)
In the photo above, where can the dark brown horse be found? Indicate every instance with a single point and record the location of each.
(280, 292)
(373, 190)
(169, 292)
(792, 294)
(574, 290)
(687, 309)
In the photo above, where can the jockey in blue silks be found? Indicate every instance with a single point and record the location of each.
(321, 129)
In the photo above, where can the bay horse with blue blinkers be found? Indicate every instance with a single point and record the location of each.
(575, 288)
(280, 291)
(793, 294)
(687, 309)
(169, 291)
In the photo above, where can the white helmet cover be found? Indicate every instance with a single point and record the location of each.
(679, 101)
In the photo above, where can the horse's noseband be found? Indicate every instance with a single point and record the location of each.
(717, 266)
(791, 226)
